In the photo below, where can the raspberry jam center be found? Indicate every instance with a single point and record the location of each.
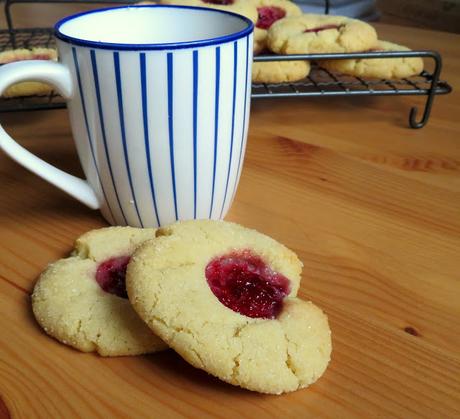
(321, 28)
(111, 275)
(220, 2)
(268, 16)
(243, 282)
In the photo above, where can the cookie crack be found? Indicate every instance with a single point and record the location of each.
(202, 366)
(176, 330)
(79, 327)
(289, 363)
(95, 341)
(159, 320)
(236, 367)
(239, 329)
(236, 358)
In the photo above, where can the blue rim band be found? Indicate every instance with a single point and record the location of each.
(160, 46)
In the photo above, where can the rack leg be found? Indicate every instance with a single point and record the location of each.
(431, 94)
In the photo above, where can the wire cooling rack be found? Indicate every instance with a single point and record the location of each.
(320, 83)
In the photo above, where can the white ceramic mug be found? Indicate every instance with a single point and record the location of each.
(158, 98)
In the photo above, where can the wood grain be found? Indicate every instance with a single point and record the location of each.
(371, 207)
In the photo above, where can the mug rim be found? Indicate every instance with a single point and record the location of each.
(152, 46)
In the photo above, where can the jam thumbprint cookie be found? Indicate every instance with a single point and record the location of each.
(82, 301)
(224, 298)
(311, 34)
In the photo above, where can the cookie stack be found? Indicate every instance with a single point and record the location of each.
(298, 33)
(282, 29)
(221, 295)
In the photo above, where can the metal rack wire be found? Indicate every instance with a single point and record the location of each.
(320, 83)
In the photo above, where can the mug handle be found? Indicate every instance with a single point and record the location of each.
(59, 76)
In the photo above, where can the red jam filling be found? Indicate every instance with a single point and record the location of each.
(243, 282)
(219, 2)
(322, 28)
(111, 275)
(268, 16)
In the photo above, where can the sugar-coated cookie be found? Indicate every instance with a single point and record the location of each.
(270, 11)
(242, 7)
(22, 54)
(385, 68)
(279, 71)
(70, 304)
(223, 297)
(311, 33)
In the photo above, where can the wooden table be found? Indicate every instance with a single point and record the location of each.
(371, 207)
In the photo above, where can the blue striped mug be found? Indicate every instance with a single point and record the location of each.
(158, 98)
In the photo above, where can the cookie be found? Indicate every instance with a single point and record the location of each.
(385, 68)
(311, 34)
(242, 7)
(223, 297)
(27, 88)
(23, 54)
(279, 71)
(270, 11)
(81, 300)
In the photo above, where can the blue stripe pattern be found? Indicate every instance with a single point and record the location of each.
(244, 119)
(90, 140)
(146, 131)
(235, 67)
(116, 63)
(101, 119)
(216, 127)
(190, 138)
(170, 127)
(195, 128)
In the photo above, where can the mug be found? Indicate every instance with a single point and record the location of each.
(158, 98)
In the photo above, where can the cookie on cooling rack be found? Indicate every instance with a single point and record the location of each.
(223, 297)
(82, 302)
(279, 71)
(385, 68)
(23, 54)
(242, 7)
(311, 34)
(270, 11)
